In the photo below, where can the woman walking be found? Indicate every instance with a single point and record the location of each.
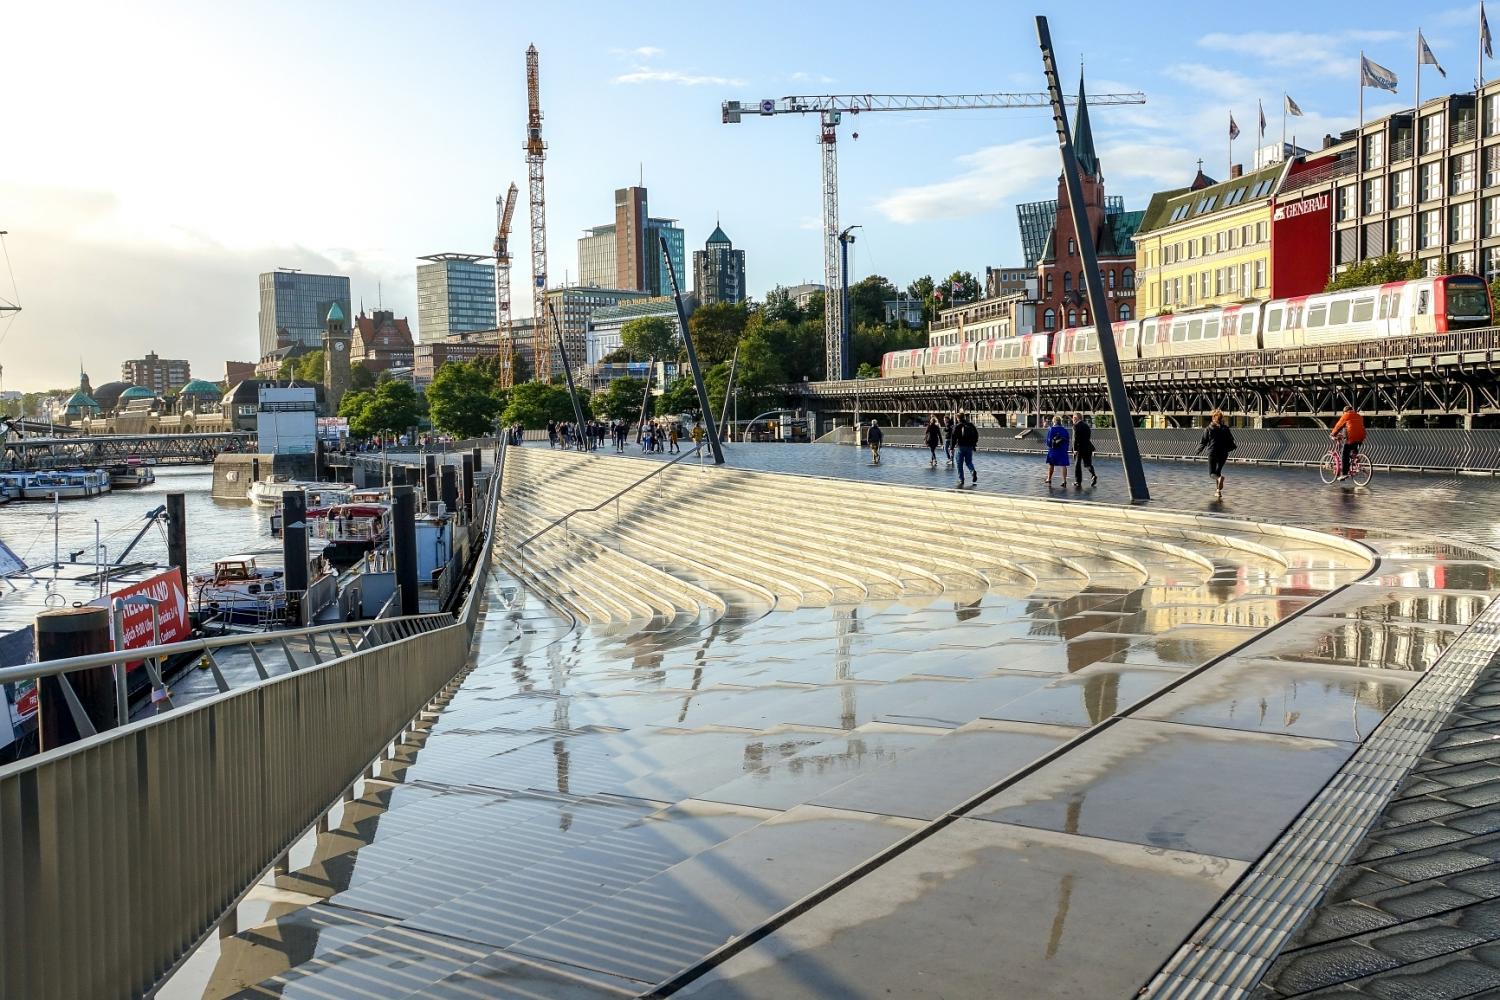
(1219, 442)
(933, 439)
(1057, 451)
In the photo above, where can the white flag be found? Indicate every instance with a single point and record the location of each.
(1372, 74)
(1291, 106)
(1261, 108)
(1425, 56)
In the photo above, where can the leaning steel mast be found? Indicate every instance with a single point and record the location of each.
(536, 152)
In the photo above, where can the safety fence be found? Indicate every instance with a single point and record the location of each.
(120, 852)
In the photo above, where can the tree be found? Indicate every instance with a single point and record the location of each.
(462, 400)
(1376, 271)
(921, 289)
(716, 330)
(618, 356)
(621, 399)
(967, 286)
(817, 304)
(532, 404)
(779, 307)
(867, 370)
(680, 396)
(867, 299)
(649, 337)
(360, 377)
(392, 407)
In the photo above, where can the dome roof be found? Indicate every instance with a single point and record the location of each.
(136, 392)
(335, 314)
(81, 400)
(198, 387)
(109, 393)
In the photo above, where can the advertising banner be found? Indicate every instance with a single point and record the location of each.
(165, 588)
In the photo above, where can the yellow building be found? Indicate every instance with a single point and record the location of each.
(1207, 245)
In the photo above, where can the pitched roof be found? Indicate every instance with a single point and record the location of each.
(1237, 192)
(335, 314)
(717, 236)
(1083, 135)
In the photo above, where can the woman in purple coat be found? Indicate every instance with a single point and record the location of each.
(1057, 450)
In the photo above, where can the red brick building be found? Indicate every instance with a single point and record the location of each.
(381, 341)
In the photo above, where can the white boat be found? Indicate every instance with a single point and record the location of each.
(130, 475)
(68, 484)
(267, 492)
(319, 501)
(239, 592)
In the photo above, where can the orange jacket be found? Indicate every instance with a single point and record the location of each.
(1354, 424)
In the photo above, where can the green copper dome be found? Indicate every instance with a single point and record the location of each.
(335, 314)
(198, 387)
(80, 401)
(136, 392)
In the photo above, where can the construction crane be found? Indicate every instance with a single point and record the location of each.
(505, 210)
(536, 152)
(831, 108)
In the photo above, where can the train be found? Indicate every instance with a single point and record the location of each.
(1437, 304)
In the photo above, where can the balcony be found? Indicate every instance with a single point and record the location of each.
(1320, 174)
(1400, 150)
(1461, 131)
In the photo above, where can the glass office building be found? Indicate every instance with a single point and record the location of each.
(455, 294)
(657, 280)
(298, 304)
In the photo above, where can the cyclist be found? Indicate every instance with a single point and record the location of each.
(1350, 431)
(874, 437)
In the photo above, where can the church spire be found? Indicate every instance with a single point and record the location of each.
(1083, 135)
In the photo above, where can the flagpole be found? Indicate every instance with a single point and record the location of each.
(1416, 120)
(1357, 161)
(1283, 125)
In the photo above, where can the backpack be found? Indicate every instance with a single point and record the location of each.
(1055, 439)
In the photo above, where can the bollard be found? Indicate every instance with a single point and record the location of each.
(450, 488)
(294, 551)
(430, 478)
(177, 553)
(468, 471)
(65, 632)
(399, 475)
(478, 454)
(255, 470)
(404, 534)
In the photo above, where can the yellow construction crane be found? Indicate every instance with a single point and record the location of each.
(831, 108)
(504, 210)
(536, 152)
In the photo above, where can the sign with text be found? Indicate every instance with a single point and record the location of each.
(165, 588)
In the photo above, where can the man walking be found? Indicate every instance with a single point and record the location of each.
(965, 439)
(875, 437)
(1083, 452)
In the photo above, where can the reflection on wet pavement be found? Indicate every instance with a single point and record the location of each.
(701, 709)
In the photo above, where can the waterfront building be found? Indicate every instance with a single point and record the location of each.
(718, 270)
(108, 396)
(1062, 299)
(199, 397)
(575, 307)
(293, 306)
(161, 375)
(336, 370)
(606, 323)
(596, 257)
(80, 406)
(904, 309)
(1009, 315)
(1000, 281)
(236, 372)
(455, 294)
(381, 341)
(286, 420)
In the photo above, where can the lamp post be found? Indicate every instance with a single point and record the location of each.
(845, 238)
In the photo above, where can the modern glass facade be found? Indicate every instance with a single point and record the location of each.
(657, 280)
(298, 303)
(455, 294)
(597, 257)
(719, 271)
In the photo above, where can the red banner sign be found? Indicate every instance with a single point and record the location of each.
(171, 609)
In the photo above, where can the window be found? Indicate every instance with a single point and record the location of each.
(1111, 274)
(1461, 173)
(1346, 203)
(1492, 114)
(1081, 284)
(1211, 329)
(1247, 323)
(1179, 332)
(1195, 330)
(1430, 228)
(1401, 189)
(1461, 222)
(1491, 164)
(1260, 273)
(1374, 199)
(1491, 261)
(1374, 151)
(1273, 321)
(1338, 312)
(1262, 231)
(1317, 315)
(1400, 240)
(1206, 250)
(1219, 281)
(1431, 181)
(1203, 284)
(1460, 263)
(1128, 278)
(1072, 246)
(1049, 320)
(1422, 302)
(1432, 133)
(1364, 310)
(1067, 282)
(1125, 314)
(1072, 318)
(1049, 285)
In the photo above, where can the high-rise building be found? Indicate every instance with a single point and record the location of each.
(455, 294)
(627, 254)
(160, 375)
(575, 308)
(293, 306)
(658, 282)
(596, 257)
(718, 271)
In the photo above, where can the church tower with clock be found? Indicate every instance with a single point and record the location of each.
(336, 374)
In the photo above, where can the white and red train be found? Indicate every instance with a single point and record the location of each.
(1437, 304)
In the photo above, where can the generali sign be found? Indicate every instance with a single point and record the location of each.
(1292, 209)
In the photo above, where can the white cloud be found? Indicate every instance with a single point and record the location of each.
(1324, 53)
(647, 52)
(801, 77)
(645, 74)
(991, 176)
(1211, 80)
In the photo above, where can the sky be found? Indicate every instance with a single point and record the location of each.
(156, 156)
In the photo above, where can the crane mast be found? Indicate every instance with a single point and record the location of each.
(830, 109)
(505, 209)
(536, 152)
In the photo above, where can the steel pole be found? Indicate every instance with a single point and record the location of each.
(562, 347)
(645, 397)
(734, 364)
(1119, 402)
(687, 340)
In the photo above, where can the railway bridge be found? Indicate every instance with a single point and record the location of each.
(105, 449)
(1446, 379)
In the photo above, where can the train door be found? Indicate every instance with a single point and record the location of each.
(1422, 309)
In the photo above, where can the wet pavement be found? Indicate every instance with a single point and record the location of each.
(783, 737)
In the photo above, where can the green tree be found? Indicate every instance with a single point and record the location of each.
(716, 384)
(621, 399)
(532, 404)
(867, 370)
(649, 337)
(360, 377)
(968, 287)
(867, 299)
(1376, 271)
(779, 307)
(681, 396)
(354, 403)
(921, 289)
(618, 356)
(717, 329)
(462, 400)
(392, 407)
(816, 305)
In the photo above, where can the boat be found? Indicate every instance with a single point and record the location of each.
(267, 492)
(352, 529)
(130, 474)
(65, 484)
(319, 501)
(238, 592)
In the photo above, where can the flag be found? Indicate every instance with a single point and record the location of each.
(958, 287)
(1262, 109)
(1291, 106)
(1424, 54)
(1372, 74)
(1234, 130)
(1484, 32)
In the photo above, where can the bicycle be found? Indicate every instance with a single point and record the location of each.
(1361, 469)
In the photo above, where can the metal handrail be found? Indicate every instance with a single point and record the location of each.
(609, 499)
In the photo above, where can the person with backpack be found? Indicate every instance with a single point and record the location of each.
(949, 426)
(875, 436)
(965, 440)
(1219, 441)
(1083, 451)
(1057, 451)
(933, 438)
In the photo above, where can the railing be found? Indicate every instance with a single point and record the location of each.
(1462, 131)
(125, 849)
(1342, 167)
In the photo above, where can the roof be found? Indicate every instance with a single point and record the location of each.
(136, 392)
(1083, 136)
(81, 400)
(1156, 209)
(659, 305)
(388, 332)
(1237, 192)
(198, 387)
(335, 314)
(1119, 230)
(717, 236)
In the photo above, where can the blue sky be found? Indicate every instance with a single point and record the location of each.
(162, 154)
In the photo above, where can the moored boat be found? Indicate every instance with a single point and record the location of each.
(131, 474)
(236, 591)
(351, 530)
(65, 484)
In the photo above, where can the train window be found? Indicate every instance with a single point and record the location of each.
(1317, 315)
(1179, 332)
(1195, 330)
(1247, 324)
(1273, 320)
(1338, 312)
(1211, 329)
(1395, 304)
(1385, 306)
(1422, 302)
(1364, 310)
